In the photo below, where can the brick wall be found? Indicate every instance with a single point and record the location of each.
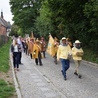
(2, 30)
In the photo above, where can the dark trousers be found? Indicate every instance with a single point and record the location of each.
(44, 55)
(65, 66)
(16, 59)
(25, 50)
(31, 55)
(20, 55)
(38, 60)
(55, 59)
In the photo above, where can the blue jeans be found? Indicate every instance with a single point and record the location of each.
(65, 66)
(16, 59)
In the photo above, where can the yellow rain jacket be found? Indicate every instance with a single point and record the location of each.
(63, 52)
(77, 53)
(55, 48)
(30, 47)
(36, 50)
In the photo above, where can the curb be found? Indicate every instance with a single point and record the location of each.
(15, 80)
(94, 64)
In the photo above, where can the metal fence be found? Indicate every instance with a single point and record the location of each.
(3, 39)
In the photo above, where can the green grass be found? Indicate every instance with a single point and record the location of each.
(90, 55)
(6, 88)
(4, 57)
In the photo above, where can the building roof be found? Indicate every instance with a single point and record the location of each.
(3, 22)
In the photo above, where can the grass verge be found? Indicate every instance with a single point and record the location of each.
(4, 57)
(90, 55)
(7, 89)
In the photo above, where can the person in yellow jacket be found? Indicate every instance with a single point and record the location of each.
(43, 46)
(36, 54)
(30, 46)
(63, 54)
(77, 53)
(56, 45)
(69, 42)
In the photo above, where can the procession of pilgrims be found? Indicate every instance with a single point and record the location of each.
(62, 50)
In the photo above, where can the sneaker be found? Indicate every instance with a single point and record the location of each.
(61, 70)
(79, 76)
(55, 62)
(65, 78)
(21, 63)
(41, 64)
(17, 69)
(76, 73)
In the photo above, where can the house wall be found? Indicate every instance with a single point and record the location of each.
(2, 30)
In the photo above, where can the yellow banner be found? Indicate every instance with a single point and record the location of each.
(50, 47)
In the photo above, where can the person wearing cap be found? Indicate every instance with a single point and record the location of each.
(36, 54)
(63, 54)
(77, 53)
(43, 46)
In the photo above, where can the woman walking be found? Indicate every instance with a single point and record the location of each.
(15, 54)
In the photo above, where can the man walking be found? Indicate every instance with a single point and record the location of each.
(63, 53)
(77, 53)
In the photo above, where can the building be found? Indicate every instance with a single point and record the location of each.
(4, 26)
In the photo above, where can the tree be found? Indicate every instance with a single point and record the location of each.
(14, 29)
(25, 13)
(91, 12)
(70, 18)
(43, 22)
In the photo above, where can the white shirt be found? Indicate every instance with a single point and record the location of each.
(16, 48)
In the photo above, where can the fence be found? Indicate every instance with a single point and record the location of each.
(3, 39)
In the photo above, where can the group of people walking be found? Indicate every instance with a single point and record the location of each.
(65, 52)
(36, 48)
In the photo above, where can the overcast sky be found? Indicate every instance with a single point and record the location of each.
(5, 7)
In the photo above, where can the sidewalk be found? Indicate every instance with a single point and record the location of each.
(30, 82)
(46, 81)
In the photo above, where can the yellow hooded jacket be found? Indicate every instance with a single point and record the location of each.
(63, 52)
(36, 50)
(74, 53)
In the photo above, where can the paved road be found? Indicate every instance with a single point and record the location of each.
(47, 82)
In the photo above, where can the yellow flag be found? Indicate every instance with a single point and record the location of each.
(32, 35)
(50, 47)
